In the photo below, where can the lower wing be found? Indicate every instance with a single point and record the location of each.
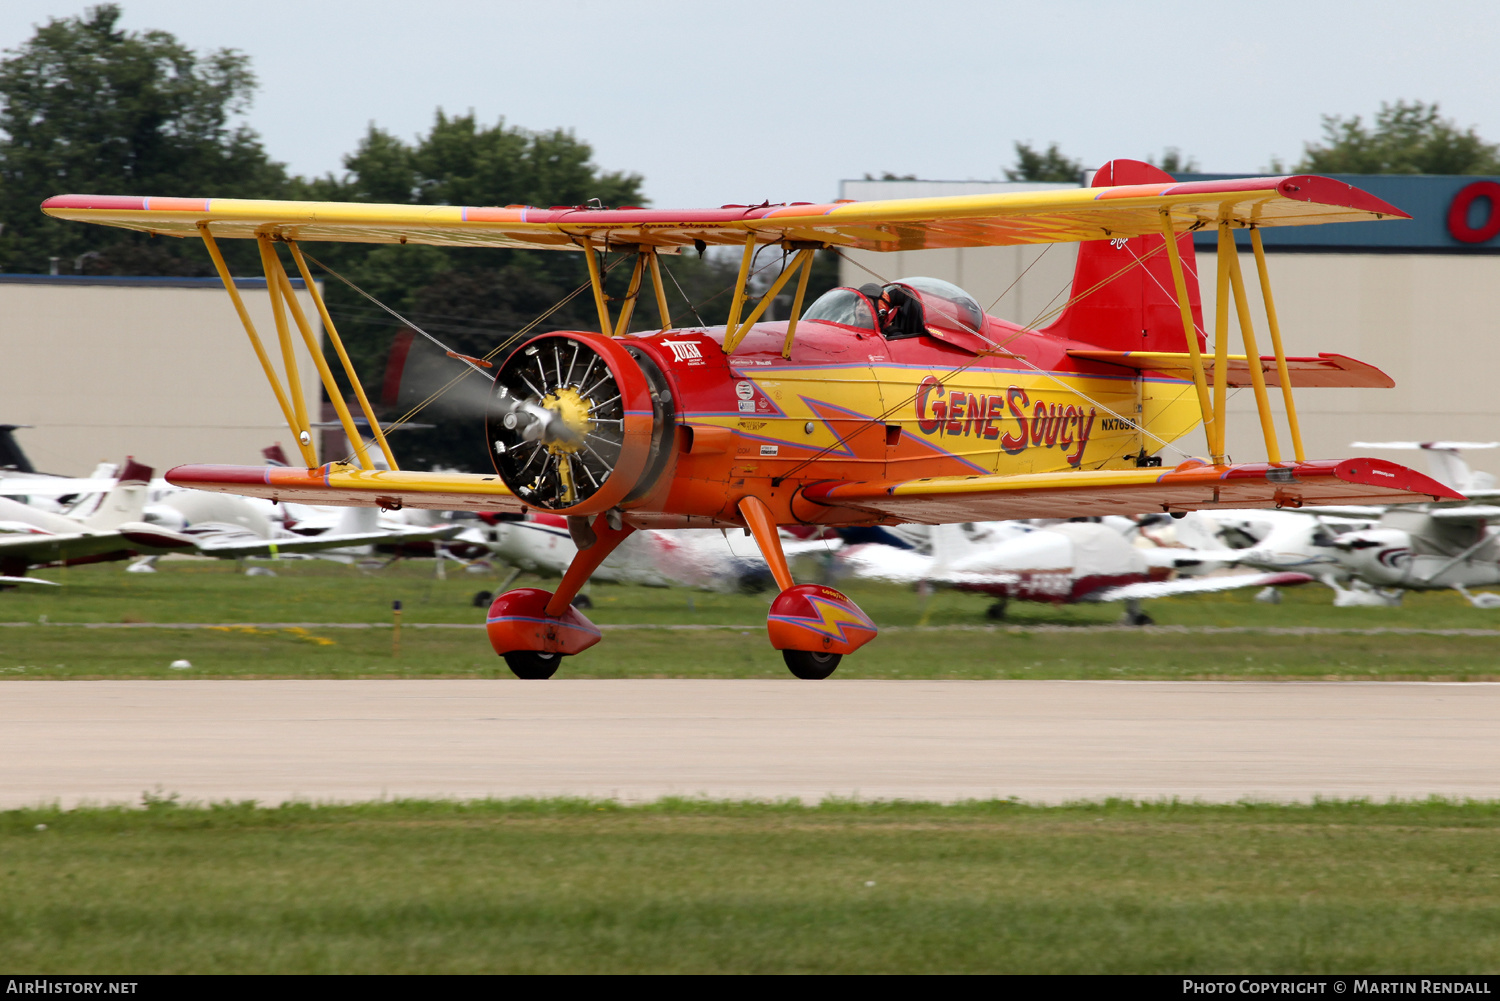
(1191, 486)
(389, 489)
(238, 547)
(1199, 585)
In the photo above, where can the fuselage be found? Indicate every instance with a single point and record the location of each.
(853, 404)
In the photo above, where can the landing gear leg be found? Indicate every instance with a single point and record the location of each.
(812, 625)
(1134, 616)
(534, 629)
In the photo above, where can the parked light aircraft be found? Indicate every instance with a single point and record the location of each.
(117, 522)
(709, 559)
(1059, 563)
(899, 401)
(30, 536)
(1368, 555)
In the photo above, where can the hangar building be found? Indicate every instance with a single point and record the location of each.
(1418, 298)
(157, 368)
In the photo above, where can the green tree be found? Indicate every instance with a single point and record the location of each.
(88, 108)
(1173, 162)
(475, 300)
(1051, 165)
(1407, 137)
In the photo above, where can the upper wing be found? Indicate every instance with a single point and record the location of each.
(1191, 486)
(349, 487)
(1057, 216)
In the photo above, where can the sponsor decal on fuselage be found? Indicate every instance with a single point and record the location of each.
(1040, 425)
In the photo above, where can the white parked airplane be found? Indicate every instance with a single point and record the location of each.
(1058, 563)
(702, 558)
(1371, 555)
(31, 537)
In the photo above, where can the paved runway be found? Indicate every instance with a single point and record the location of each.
(1044, 741)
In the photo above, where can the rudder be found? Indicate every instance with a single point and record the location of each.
(1136, 311)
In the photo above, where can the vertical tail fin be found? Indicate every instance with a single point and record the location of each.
(1129, 306)
(126, 502)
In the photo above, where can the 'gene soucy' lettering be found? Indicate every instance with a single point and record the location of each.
(1064, 426)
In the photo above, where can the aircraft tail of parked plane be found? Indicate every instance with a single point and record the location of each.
(125, 501)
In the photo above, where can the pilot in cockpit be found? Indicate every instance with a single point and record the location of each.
(900, 311)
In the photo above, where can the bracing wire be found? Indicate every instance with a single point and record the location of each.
(994, 350)
(1023, 273)
(469, 367)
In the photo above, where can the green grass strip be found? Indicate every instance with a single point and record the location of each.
(687, 886)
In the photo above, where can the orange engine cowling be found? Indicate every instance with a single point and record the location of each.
(579, 423)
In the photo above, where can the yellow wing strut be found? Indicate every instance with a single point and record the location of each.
(308, 455)
(338, 346)
(1221, 343)
(334, 395)
(1257, 374)
(1189, 332)
(1286, 382)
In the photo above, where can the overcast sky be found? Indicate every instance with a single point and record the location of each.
(741, 102)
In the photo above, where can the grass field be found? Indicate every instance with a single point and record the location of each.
(942, 637)
(567, 886)
(945, 636)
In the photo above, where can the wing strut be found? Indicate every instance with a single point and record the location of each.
(645, 257)
(338, 346)
(1247, 335)
(308, 456)
(1286, 382)
(1200, 379)
(284, 289)
(290, 397)
(801, 263)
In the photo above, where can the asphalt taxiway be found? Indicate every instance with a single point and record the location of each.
(1044, 741)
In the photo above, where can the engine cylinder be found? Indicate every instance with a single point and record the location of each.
(572, 423)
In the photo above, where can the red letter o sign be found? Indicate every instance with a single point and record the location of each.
(1458, 213)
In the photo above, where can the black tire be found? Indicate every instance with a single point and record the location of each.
(583, 601)
(1139, 619)
(533, 665)
(482, 599)
(996, 612)
(810, 666)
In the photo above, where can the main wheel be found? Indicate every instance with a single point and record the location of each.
(810, 666)
(996, 612)
(583, 601)
(482, 599)
(533, 665)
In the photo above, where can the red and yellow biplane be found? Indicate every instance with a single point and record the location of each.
(896, 401)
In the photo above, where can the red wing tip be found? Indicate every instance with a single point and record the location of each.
(1393, 476)
(193, 475)
(1327, 191)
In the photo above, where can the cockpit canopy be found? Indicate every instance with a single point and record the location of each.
(907, 307)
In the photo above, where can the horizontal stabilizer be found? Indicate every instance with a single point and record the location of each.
(1324, 371)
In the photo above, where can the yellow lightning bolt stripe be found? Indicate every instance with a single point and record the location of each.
(832, 619)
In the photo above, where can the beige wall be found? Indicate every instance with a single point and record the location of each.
(1430, 321)
(165, 374)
